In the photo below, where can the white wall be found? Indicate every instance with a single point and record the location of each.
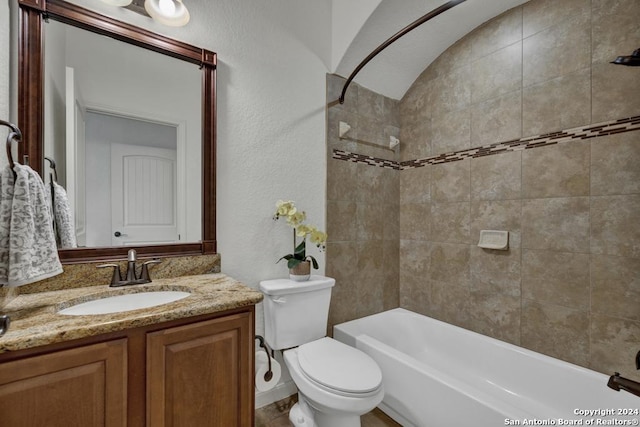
(273, 59)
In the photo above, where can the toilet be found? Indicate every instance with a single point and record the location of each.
(336, 383)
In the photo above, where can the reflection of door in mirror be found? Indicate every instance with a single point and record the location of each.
(126, 82)
(145, 210)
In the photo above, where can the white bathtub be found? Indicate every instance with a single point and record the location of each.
(438, 375)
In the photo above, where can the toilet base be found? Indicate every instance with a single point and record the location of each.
(303, 415)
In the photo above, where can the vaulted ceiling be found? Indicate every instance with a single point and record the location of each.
(393, 71)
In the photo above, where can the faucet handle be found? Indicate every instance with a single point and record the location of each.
(145, 269)
(131, 255)
(117, 277)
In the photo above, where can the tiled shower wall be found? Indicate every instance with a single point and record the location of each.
(569, 285)
(362, 204)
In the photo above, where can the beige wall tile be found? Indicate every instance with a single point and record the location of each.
(415, 221)
(614, 164)
(556, 331)
(451, 91)
(614, 344)
(370, 221)
(451, 181)
(612, 86)
(450, 131)
(370, 104)
(615, 28)
(614, 225)
(615, 286)
(342, 264)
(497, 74)
(342, 222)
(497, 215)
(558, 171)
(495, 315)
(454, 57)
(559, 278)
(415, 185)
(557, 104)
(415, 140)
(369, 184)
(370, 277)
(340, 172)
(450, 303)
(450, 222)
(542, 14)
(495, 272)
(391, 268)
(497, 120)
(496, 177)
(450, 263)
(557, 51)
(500, 32)
(391, 222)
(415, 293)
(556, 224)
(415, 258)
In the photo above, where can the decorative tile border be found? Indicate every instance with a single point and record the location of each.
(592, 131)
(366, 160)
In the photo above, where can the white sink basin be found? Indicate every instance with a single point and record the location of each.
(127, 302)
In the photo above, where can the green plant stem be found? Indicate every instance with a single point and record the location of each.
(294, 240)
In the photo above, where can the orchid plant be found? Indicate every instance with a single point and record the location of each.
(295, 218)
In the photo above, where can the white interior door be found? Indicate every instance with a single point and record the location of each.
(75, 156)
(143, 195)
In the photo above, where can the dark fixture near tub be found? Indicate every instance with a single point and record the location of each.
(632, 60)
(415, 24)
(618, 383)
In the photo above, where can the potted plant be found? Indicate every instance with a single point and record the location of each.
(299, 262)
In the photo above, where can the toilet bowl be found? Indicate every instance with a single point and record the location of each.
(336, 384)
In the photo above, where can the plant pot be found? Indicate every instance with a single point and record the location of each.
(300, 272)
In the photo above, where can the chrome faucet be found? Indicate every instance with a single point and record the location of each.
(131, 278)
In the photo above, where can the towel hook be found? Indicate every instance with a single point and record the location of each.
(52, 165)
(16, 135)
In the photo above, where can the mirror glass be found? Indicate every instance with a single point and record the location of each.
(123, 126)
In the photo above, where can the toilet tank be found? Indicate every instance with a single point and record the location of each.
(295, 313)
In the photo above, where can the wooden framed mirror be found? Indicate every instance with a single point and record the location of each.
(32, 15)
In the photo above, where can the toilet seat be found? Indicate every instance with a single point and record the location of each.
(339, 368)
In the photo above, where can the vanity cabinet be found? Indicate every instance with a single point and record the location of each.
(83, 386)
(190, 372)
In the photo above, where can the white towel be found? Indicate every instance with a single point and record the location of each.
(65, 233)
(33, 254)
(6, 201)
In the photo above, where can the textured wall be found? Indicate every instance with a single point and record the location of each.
(568, 285)
(362, 204)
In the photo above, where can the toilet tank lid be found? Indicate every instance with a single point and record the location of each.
(288, 286)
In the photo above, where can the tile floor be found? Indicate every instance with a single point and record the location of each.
(277, 415)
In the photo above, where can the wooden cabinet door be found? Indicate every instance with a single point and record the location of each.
(83, 386)
(201, 374)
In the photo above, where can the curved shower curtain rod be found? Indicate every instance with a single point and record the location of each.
(435, 12)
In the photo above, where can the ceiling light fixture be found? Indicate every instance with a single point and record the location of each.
(167, 12)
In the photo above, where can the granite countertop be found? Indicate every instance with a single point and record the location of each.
(35, 321)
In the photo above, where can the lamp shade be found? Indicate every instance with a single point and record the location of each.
(122, 3)
(168, 12)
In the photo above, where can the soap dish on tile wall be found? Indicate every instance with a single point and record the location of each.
(494, 239)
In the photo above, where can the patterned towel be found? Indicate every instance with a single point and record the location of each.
(33, 254)
(64, 227)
